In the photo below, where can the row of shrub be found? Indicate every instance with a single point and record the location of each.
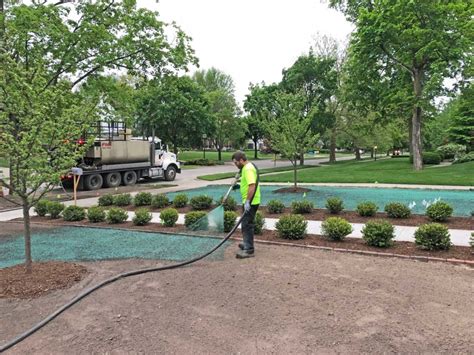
(378, 233)
(439, 211)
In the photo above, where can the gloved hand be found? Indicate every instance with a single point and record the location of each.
(247, 206)
(235, 187)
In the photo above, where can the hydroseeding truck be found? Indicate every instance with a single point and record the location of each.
(116, 158)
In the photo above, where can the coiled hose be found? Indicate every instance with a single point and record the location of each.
(87, 292)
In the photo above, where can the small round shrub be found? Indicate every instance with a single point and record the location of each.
(259, 223)
(201, 202)
(451, 150)
(431, 158)
(292, 226)
(96, 214)
(168, 217)
(142, 217)
(336, 228)
(471, 240)
(54, 209)
(433, 236)
(378, 234)
(397, 210)
(192, 217)
(160, 201)
(229, 220)
(275, 206)
(367, 209)
(41, 208)
(334, 205)
(439, 211)
(116, 215)
(465, 158)
(143, 199)
(300, 207)
(122, 200)
(180, 200)
(230, 204)
(74, 213)
(106, 200)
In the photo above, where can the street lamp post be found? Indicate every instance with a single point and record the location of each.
(204, 136)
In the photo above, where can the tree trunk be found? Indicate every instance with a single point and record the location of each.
(255, 141)
(332, 147)
(295, 186)
(416, 121)
(357, 153)
(26, 222)
(410, 136)
(219, 154)
(372, 154)
(302, 158)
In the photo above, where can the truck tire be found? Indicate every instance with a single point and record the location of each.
(170, 173)
(93, 182)
(129, 178)
(113, 179)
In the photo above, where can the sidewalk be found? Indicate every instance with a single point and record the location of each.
(459, 237)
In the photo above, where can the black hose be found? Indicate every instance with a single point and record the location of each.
(106, 282)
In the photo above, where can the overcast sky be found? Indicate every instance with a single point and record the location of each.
(251, 40)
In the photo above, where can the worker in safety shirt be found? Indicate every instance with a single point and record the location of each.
(250, 191)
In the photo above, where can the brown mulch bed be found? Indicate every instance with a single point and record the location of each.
(291, 190)
(44, 278)
(403, 248)
(320, 214)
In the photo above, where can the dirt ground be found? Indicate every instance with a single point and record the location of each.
(285, 300)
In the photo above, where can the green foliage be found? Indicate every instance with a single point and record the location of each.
(292, 226)
(431, 158)
(471, 240)
(201, 202)
(168, 217)
(192, 217)
(230, 204)
(433, 236)
(116, 215)
(259, 223)
(439, 211)
(122, 200)
(465, 158)
(160, 201)
(202, 162)
(41, 208)
(180, 200)
(451, 150)
(106, 200)
(335, 205)
(378, 234)
(74, 213)
(54, 209)
(302, 207)
(462, 122)
(336, 228)
(275, 206)
(367, 209)
(397, 210)
(143, 199)
(229, 220)
(142, 217)
(96, 214)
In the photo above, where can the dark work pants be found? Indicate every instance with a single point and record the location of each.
(248, 227)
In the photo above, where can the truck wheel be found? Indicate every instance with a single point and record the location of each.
(129, 178)
(113, 179)
(170, 173)
(93, 182)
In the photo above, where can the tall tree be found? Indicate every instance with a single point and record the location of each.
(462, 127)
(254, 131)
(176, 109)
(219, 89)
(45, 55)
(430, 41)
(289, 128)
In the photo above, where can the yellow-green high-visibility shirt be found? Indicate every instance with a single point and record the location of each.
(248, 176)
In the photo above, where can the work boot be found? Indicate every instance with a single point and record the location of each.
(242, 247)
(243, 254)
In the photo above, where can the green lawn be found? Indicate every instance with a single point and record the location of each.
(212, 155)
(393, 171)
(221, 176)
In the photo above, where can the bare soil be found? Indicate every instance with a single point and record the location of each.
(285, 301)
(291, 190)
